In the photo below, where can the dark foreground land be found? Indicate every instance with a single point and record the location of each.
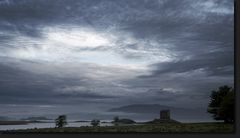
(152, 128)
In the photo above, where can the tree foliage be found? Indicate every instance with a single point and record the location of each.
(116, 119)
(61, 121)
(222, 104)
(95, 122)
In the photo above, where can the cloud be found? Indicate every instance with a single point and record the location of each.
(212, 62)
(106, 53)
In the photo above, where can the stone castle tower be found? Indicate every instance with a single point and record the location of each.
(165, 114)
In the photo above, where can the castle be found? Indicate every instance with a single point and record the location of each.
(165, 117)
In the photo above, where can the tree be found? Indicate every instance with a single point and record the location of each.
(227, 107)
(115, 120)
(95, 122)
(61, 121)
(222, 104)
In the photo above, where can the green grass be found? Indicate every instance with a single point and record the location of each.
(153, 128)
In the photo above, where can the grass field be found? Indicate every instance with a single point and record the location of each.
(153, 128)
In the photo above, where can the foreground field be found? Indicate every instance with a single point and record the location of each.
(156, 128)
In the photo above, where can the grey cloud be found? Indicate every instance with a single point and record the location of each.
(85, 95)
(213, 62)
(18, 86)
(199, 35)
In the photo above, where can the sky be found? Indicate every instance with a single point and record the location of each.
(88, 56)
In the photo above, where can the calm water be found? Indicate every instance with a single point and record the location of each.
(47, 125)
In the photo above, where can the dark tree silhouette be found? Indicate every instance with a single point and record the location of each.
(61, 121)
(115, 120)
(222, 104)
(95, 122)
(227, 106)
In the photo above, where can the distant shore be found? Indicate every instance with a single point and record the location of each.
(21, 122)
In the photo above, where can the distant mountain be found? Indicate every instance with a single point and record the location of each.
(143, 108)
(35, 118)
(4, 118)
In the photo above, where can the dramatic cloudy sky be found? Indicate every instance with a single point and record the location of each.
(70, 56)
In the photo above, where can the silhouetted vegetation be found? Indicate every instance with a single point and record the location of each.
(95, 122)
(61, 121)
(115, 120)
(222, 104)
